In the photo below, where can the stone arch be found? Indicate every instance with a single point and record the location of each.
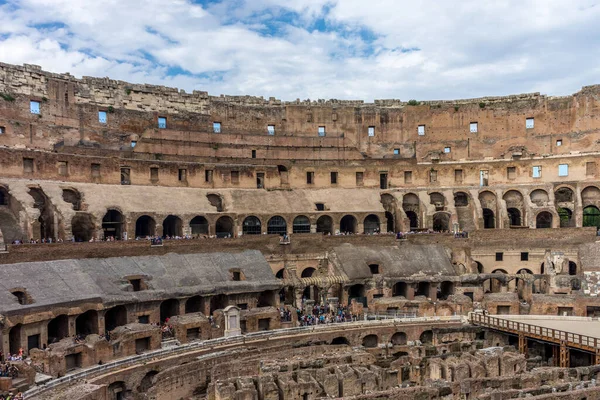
(590, 196)
(172, 226)
(514, 216)
(58, 328)
(301, 224)
(371, 224)
(370, 341)
(73, 197)
(340, 340)
(565, 216)
(194, 304)
(325, 225)
(591, 216)
(398, 339)
(199, 226)
(168, 308)
(423, 289)
(543, 220)
(488, 203)
(145, 226)
(411, 207)
(479, 267)
(115, 317)
(87, 323)
(461, 199)
(441, 222)
(83, 227)
(251, 225)
(224, 227)
(389, 205)
(276, 225)
(279, 274)
(348, 224)
(515, 207)
(437, 200)
(489, 219)
(112, 224)
(426, 337)
(495, 285)
(539, 197)
(14, 339)
(308, 272)
(147, 381)
(572, 268)
(45, 222)
(564, 194)
(117, 390)
(390, 225)
(4, 196)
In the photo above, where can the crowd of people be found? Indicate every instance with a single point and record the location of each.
(8, 370)
(318, 315)
(11, 396)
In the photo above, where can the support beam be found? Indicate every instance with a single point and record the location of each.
(564, 355)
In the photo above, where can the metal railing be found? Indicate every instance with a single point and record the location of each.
(222, 342)
(549, 334)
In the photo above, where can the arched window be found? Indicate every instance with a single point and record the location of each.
(514, 215)
(251, 226)
(543, 220)
(276, 225)
(224, 227)
(348, 224)
(301, 224)
(112, 224)
(199, 226)
(145, 226)
(488, 219)
(371, 224)
(591, 216)
(325, 224)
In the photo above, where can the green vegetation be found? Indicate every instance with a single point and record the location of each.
(455, 108)
(128, 91)
(481, 105)
(413, 102)
(111, 109)
(7, 97)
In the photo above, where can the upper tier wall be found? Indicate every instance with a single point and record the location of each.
(353, 129)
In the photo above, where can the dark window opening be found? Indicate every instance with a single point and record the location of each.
(334, 178)
(374, 269)
(499, 256)
(524, 256)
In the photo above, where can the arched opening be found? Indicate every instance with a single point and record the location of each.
(311, 292)
(566, 218)
(58, 328)
(479, 267)
(87, 323)
(251, 226)
(112, 224)
(348, 224)
(147, 382)
(371, 224)
(572, 268)
(441, 222)
(325, 225)
(14, 339)
(438, 201)
(168, 309)
(564, 195)
(497, 285)
(423, 289)
(46, 219)
(461, 199)
(172, 226)
(398, 339)
(301, 224)
(370, 341)
(488, 219)
(199, 226)
(390, 226)
(543, 220)
(445, 290)
(514, 216)
(3, 196)
(279, 274)
(520, 282)
(83, 227)
(145, 226)
(591, 216)
(73, 197)
(340, 340)
(224, 227)
(539, 197)
(117, 391)
(400, 289)
(115, 317)
(277, 226)
(308, 272)
(413, 220)
(426, 337)
(194, 305)
(410, 205)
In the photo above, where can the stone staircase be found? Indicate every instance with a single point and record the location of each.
(465, 218)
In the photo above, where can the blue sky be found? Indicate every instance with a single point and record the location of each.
(343, 49)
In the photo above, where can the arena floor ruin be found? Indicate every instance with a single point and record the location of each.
(157, 244)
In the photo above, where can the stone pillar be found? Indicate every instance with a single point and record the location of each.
(433, 291)
(410, 292)
(313, 228)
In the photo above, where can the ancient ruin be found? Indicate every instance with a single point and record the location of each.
(158, 244)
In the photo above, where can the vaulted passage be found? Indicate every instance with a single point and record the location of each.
(251, 226)
(199, 226)
(83, 227)
(112, 224)
(224, 227)
(145, 226)
(301, 224)
(172, 226)
(348, 224)
(325, 224)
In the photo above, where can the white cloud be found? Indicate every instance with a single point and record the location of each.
(467, 48)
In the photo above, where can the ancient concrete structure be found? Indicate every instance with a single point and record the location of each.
(157, 244)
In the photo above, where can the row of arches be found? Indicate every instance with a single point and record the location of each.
(397, 339)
